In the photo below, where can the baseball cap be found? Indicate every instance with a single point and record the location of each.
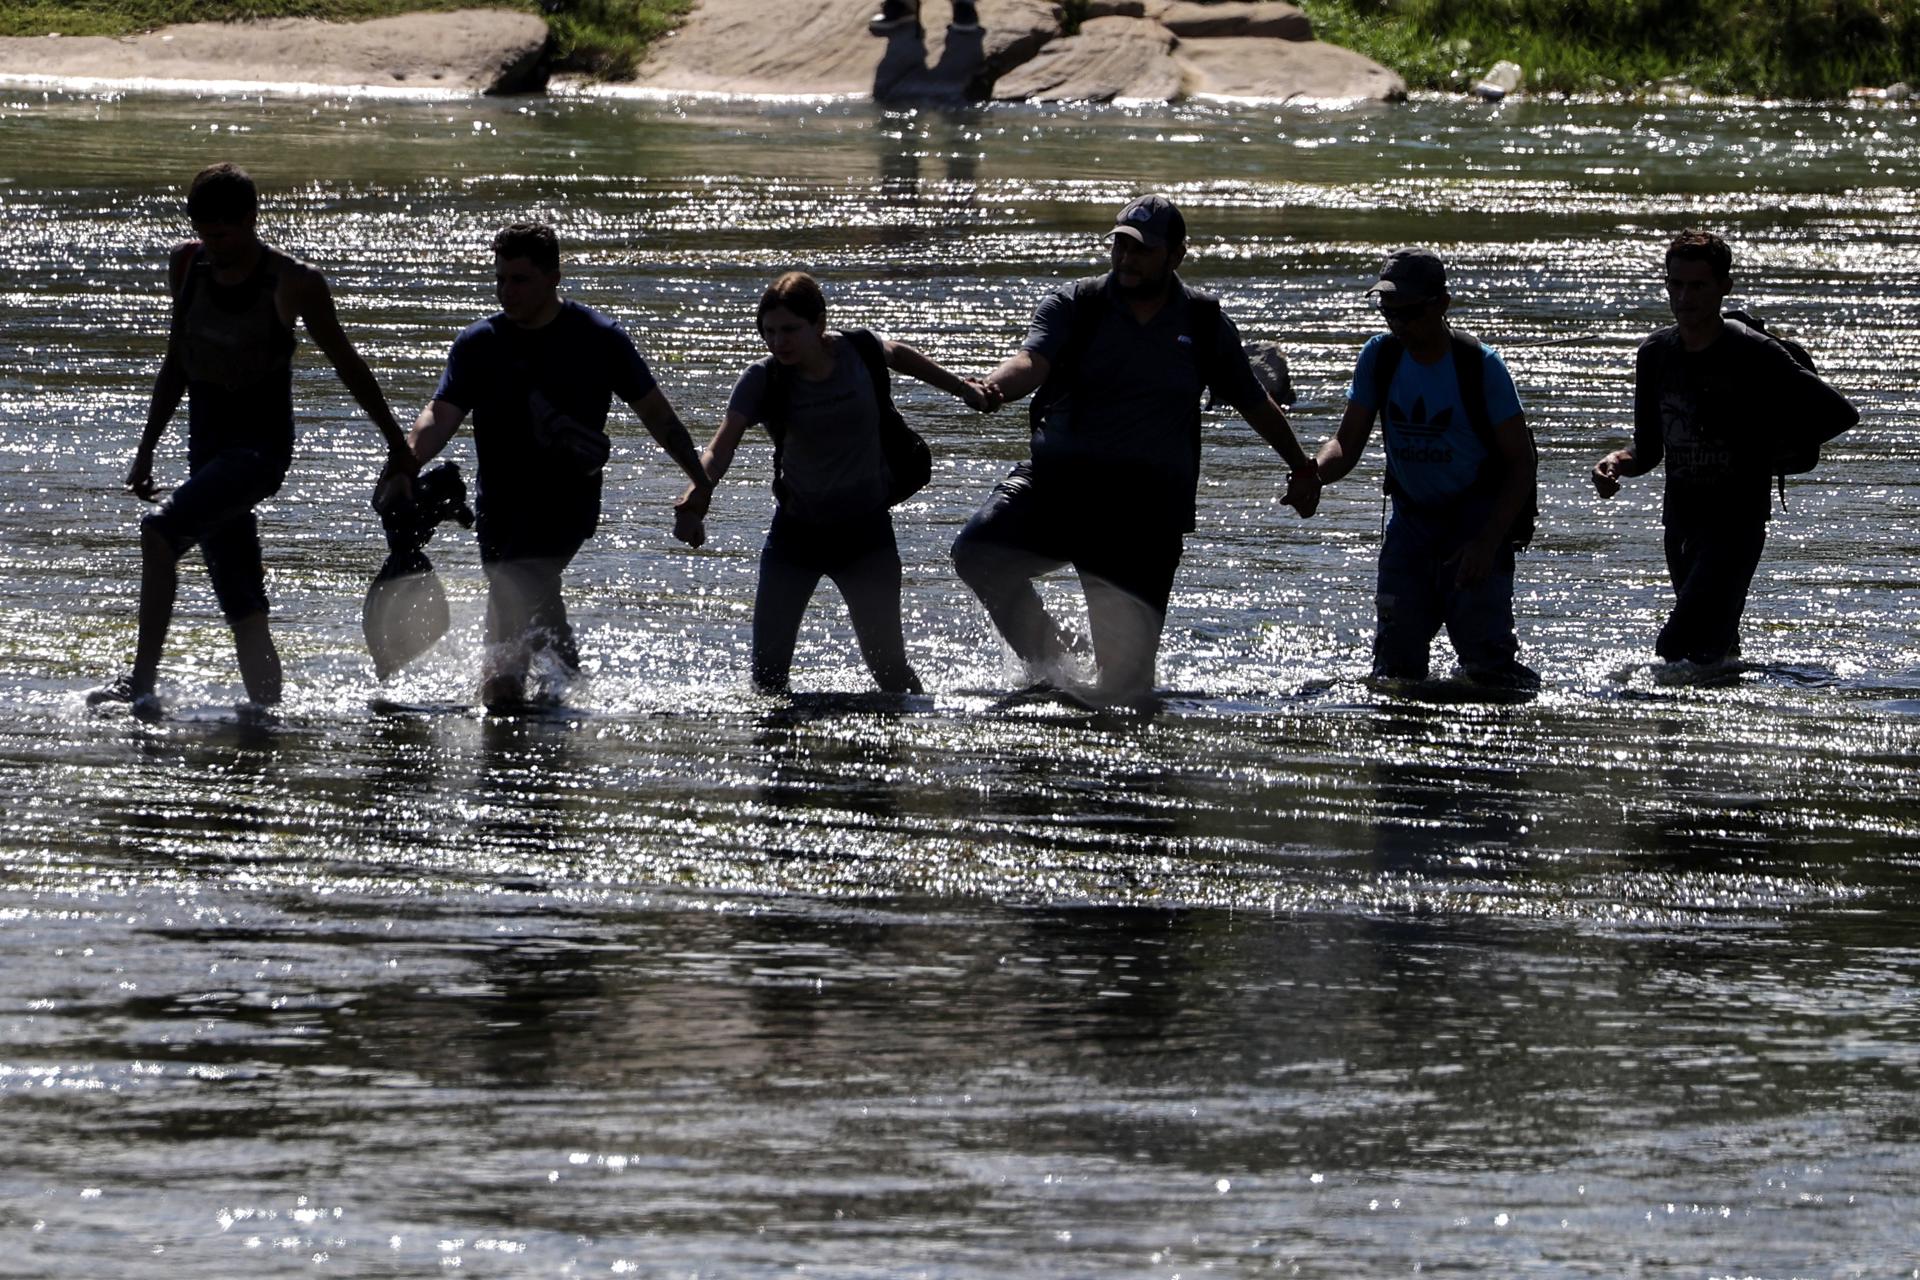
(1411, 275)
(1152, 220)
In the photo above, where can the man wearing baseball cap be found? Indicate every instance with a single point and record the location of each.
(1460, 469)
(1119, 363)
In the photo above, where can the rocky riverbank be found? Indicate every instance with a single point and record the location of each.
(466, 52)
(1153, 50)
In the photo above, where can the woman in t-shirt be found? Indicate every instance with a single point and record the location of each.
(819, 399)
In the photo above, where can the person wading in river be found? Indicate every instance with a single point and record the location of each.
(230, 353)
(822, 395)
(1119, 363)
(1714, 398)
(1460, 468)
(539, 378)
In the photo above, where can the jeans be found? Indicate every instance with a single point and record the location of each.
(1417, 596)
(863, 561)
(1711, 567)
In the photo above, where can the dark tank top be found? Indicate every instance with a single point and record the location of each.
(238, 354)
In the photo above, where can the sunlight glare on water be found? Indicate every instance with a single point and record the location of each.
(1297, 977)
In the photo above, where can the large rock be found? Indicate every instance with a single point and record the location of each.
(787, 47)
(469, 51)
(1285, 71)
(1110, 58)
(1269, 18)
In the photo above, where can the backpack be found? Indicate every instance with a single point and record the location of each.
(1798, 450)
(1089, 308)
(909, 461)
(1469, 367)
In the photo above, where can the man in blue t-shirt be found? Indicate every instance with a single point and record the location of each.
(539, 379)
(1461, 476)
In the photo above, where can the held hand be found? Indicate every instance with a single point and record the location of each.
(1606, 476)
(1303, 491)
(693, 505)
(689, 529)
(991, 397)
(392, 487)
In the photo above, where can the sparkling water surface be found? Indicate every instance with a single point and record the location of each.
(1297, 978)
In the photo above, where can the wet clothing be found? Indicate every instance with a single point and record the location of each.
(1711, 569)
(1126, 571)
(1435, 454)
(214, 509)
(1124, 436)
(831, 465)
(524, 606)
(1114, 472)
(1446, 482)
(830, 519)
(863, 560)
(1714, 418)
(533, 499)
(237, 352)
(1416, 597)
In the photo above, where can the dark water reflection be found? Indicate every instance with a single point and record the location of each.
(1296, 978)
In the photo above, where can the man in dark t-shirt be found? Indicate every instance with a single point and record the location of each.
(1120, 363)
(539, 379)
(1710, 398)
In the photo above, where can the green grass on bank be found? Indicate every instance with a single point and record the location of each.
(601, 37)
(1773, 48)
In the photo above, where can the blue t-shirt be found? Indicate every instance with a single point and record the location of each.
(579, 361)
(1432, 448)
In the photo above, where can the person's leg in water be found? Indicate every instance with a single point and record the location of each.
(1480, 626)
(239, 580)
(1406, 602)
(1128, 582)
(215, 508)
(789, 574)
(1003, 548)
(869, 581)
(1712, 571)
(524, 613)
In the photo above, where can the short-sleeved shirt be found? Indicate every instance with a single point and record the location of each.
(831, 467)
(1435, 454)
(580, 360)
(1127, 419)
(1713, 416)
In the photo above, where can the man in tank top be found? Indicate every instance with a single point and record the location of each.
(230, 354)
(539, 378)
(1710, 398)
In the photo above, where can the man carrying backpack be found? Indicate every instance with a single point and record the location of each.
(1460, 469)
(1721, 402)
(1119, 363)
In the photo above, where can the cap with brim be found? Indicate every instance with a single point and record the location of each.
(1409, 276)
(1152, 220)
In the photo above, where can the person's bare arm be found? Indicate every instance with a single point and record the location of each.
(314, 306)
(914, 364)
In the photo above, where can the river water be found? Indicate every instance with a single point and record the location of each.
(1297, 978)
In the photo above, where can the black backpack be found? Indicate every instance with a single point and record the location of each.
(1470, 369)
(909, 461)
(1798, 450)
(1089, 308)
